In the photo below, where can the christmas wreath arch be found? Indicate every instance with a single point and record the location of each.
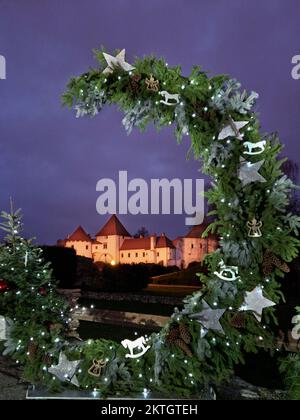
(249, 196)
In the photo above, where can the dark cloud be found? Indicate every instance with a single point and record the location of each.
(50, 162)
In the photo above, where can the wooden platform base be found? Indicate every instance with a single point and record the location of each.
(40, 393)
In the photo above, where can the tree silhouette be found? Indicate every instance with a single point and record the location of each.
(141, 232)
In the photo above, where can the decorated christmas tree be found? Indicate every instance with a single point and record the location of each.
(33, 316)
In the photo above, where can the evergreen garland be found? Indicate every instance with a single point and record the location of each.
(206, 105)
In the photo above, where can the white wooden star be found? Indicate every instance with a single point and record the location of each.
(117, 61)
(256, 302)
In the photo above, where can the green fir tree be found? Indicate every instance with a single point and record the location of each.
(36, 316)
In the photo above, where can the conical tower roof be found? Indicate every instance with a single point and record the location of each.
(113, 227)
(79, 235)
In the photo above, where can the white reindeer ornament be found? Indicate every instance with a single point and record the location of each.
(170, 99)
(296, 329)
(227, 272)
(139, 343)
(260, 145)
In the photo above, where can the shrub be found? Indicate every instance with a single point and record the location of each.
(63, 262)
(88, 274)
(125, 277)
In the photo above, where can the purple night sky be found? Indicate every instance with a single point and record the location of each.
(50, 161)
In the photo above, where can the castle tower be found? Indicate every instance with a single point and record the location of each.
(165, 251)
(152, 248)
(195, 247)
(81, 242)
(109, 241)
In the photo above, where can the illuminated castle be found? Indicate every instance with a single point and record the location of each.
(113, 244)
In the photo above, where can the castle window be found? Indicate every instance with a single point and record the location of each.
(192, 246)
(104, 246)
(86, 247)
(200, 246)
(136, 254)
(157, 254)
(122, 255)
(143, 254)
(128, 254)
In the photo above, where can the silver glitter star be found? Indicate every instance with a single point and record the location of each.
(232, 130)
(65, 369)
(209, 318)
(248, 172)
(256, 302)
(3, 326)
(26, 259)
(117, 61)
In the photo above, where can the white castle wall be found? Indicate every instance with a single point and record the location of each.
(107, 249)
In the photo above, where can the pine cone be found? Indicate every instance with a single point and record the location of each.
(238, 320)
(279, 263)
(173, 334)
(285, 268)
(47, 359)
(199, 108)
(32, 350)
(270, 261)
(56, 326)
(183, 346)
(184, 333)
(134, 84)
(267, 268)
